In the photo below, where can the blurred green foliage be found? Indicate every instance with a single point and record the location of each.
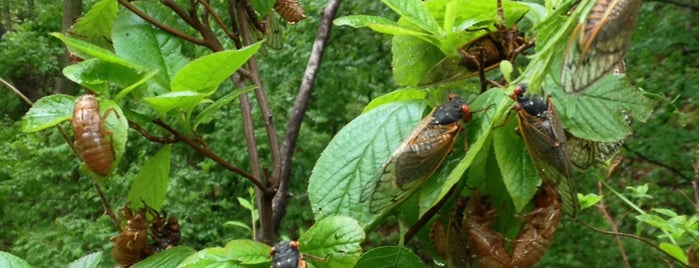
(52, 216)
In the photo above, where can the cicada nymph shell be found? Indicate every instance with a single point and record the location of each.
(92, 140)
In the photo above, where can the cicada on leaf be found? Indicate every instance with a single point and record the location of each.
(479, 55)
(417, 158)
(266, 26)
(599, 43)
(285, 254)
(545, 140)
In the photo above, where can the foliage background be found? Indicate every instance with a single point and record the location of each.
(51, 215)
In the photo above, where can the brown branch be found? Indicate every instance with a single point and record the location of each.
(163, 27)
(300, 105)
(150, 137)
(218, 20)
(208, 153)
(602, 208)
(107, 209)
(264, 200)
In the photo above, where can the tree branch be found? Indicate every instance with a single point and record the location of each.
(163, 27)
(300, 105)
(602, 208)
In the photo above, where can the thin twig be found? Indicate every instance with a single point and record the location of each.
(163, 27)
(666, 166)
(218, 19)
(107, 209)
(150, 137)
(208, 153)
(301, 104)
(602, 208)
(17, 92)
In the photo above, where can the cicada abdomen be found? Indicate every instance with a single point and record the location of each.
(487, 244)
(92, 140)
(290, 10)
(130, 244)
(286, 254)
(538, 229)
(545, 141)
(420, 154)
(599, 44)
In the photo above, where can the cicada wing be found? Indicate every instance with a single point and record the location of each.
(584, 153)
(603, 41)
(275, 38)
(545, 141)
(410, 166)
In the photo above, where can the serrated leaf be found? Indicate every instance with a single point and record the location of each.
(396, 95)
(245, 203)
(337, 238)
(208, 258)
(96, 26)
(412, 58)
(674, 251)
(416, 12)
(206, 113)
(138, 41)
(186, 100)
(596, 114)
(166, 258)
(87, 261)
(247, 251)
(389, 257)
(97, 74)
(354, 156)
(47, 112)
(11, 261)
(206, 73)
(118, 125)
(150, 185)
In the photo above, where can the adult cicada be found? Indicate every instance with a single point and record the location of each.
(599, 43)
(545, 140)
(285, 254)
(420, 154)
(479, 55)
(92, 140)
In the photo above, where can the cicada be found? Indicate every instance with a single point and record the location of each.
(602, 42)
(285, 254)
(267, 27)
(538, 228)
(452, 244)
(165, 232)
(545, 140)
(130, 244)
(488, 244)
(479, 56)
(92, 139)
(420, 154)
(290, 10)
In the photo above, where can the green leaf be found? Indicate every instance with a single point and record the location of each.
(412, 58)
(150, 185)
(86, 50)
(47, 112)
(206, 73)
(138, 41)
(596, 114)
(97, 74)
(674, 251)
(389, 257)
(396, 95)
(237, 224)
(208, 258)
(205, 114)
(519, 175)
(11, 261)
(262, 6)
(588, 200)
(415, 12)
(358, 21)
(186, 100)
(167, 258)
(118, 126)
(354, 156)
(336, 238)
(96, 26)
(87, 261)
(247, 251)
(245, 203)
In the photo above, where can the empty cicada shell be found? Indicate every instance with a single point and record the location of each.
(130, 244)
(420, 154)
(538, 228)
(92, 139)
(290, 10)
(452, 244)
(602, 42)
(487, 244)
(545, 140)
